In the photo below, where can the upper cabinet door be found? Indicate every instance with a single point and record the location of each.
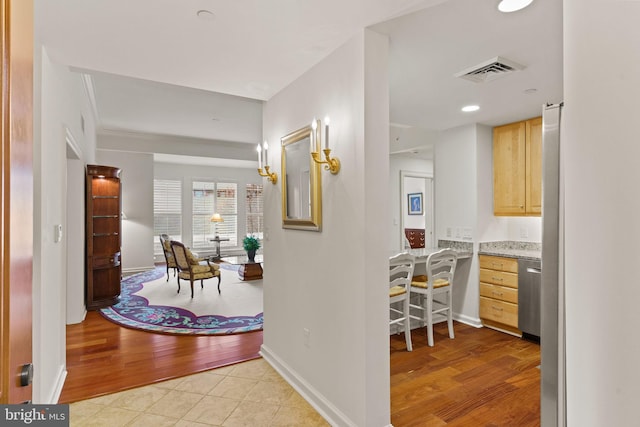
(517, 168)
(534, 166)
(509, 169)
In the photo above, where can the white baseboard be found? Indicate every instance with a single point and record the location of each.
(416, 324)
(471, 321)
(57, 391)
(325, 408)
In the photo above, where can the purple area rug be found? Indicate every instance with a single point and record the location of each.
(134, 311)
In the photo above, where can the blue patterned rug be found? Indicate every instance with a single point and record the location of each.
(134, 311)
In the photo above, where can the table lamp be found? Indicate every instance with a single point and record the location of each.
(214, 219)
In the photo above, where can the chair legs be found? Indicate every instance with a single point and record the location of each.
(201, 285)
(426, 320)
(450, 316)
(429, 321)
(407, 324)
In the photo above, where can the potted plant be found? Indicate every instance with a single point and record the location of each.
(251, 244)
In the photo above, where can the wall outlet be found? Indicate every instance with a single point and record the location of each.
(524, 233)
(467, 233)
(458, 233)
(449, 233)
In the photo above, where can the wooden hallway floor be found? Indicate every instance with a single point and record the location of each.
(103, 357)
(480, 378)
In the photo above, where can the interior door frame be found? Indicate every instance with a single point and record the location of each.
(429, 213)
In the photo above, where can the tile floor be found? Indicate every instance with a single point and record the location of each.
(246, 394)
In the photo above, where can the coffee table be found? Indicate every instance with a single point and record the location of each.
(248, 270)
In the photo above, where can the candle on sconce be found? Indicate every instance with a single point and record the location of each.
(314, 126)
(326, 132)
(266, 158)
(259, 150)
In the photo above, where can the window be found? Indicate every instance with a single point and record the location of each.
(254, 212)
(167, 211)
(210, 198)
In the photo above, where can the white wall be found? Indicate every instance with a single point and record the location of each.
(396, 201)
(456, 202)
(333, 282)
(601, 175)
(179, 145)
(62, 100)
(74, 230)
(136, 178)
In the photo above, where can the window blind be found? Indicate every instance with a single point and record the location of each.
(254, 210)
(209, 198)
(167, 211)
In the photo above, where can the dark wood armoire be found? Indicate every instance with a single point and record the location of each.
(103, 231)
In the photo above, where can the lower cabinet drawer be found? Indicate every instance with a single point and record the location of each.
(499, 277)
(499, 292)
(499, 311)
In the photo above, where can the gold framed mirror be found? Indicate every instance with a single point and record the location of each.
(301, 181)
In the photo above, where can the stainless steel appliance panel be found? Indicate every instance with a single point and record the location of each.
(529, 278)
(552, 340)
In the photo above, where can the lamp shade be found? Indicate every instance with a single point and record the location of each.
(216, 218)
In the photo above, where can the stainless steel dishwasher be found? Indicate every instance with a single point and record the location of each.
(529, 275)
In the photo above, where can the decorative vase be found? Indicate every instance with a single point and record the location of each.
(251, 253)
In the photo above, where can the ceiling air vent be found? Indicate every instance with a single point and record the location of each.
(490, 70)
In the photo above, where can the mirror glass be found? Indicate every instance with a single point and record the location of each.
(301, 189)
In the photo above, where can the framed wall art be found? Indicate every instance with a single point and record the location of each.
(415, 203)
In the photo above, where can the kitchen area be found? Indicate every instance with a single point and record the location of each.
(486, 198)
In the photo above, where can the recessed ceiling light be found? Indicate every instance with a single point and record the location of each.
(513, 5)
(205, 15)
(470, 108)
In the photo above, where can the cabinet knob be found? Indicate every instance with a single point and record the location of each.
(498, 279)
(111, 260)
(497, 308)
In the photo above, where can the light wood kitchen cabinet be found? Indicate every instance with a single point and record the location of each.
(499, 293)
(517, 168)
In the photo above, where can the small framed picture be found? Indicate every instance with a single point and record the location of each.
(415, 203)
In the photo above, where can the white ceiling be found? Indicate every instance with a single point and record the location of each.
(158, 68)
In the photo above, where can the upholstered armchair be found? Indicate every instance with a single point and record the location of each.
(165, 241)
(191, 268)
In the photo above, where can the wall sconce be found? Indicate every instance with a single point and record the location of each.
(271, 176)
(330, 164)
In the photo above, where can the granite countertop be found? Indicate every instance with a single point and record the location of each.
(510, 249)
(463, 249)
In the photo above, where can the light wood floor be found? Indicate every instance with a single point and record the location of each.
(481, 378)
